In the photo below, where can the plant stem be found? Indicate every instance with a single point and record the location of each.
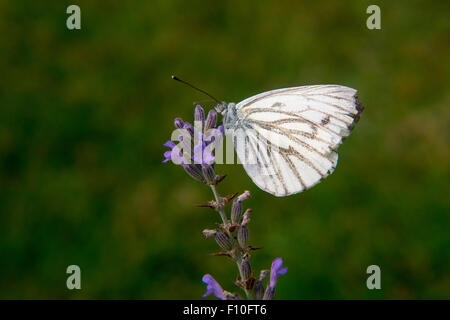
(237, 257)
(221, 206)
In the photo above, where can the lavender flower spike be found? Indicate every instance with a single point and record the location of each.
(212, 287)
(275, 271)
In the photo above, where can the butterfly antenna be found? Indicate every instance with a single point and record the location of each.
(194, 87)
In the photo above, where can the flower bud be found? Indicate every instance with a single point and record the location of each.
(246, 217)
(194, 172)
(199, 114)
(269, 294)
(259, 290)
(208, 173)
(244, 196)
(231, 296)
(189, 128)
(246, 270)
(223, 241)
(178, 123)
(209, 233)
(263, 274)
(242, 236)
(211, 120)
(185, 141)
(236, 212)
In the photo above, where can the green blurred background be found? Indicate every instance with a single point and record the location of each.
(84, 114)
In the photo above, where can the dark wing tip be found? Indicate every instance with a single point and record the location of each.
(359, 108)
(359, 105)
(356, 117)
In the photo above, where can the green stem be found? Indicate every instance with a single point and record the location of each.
(238, 256)
(220, 205)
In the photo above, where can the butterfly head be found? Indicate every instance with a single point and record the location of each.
(222, 107)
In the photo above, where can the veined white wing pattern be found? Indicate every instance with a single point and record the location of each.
(292, 134)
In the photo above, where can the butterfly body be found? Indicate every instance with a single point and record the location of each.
(287, 139)
(231, 118)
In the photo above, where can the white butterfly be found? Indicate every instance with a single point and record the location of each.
(287, 139)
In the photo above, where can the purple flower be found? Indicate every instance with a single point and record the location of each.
(201, 154)
(212, 287)
(275, 271)
(168, 154)
(195, 152)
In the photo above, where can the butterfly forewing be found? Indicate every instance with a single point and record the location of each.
(290, 136)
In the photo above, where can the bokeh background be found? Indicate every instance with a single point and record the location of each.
(84, 115)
